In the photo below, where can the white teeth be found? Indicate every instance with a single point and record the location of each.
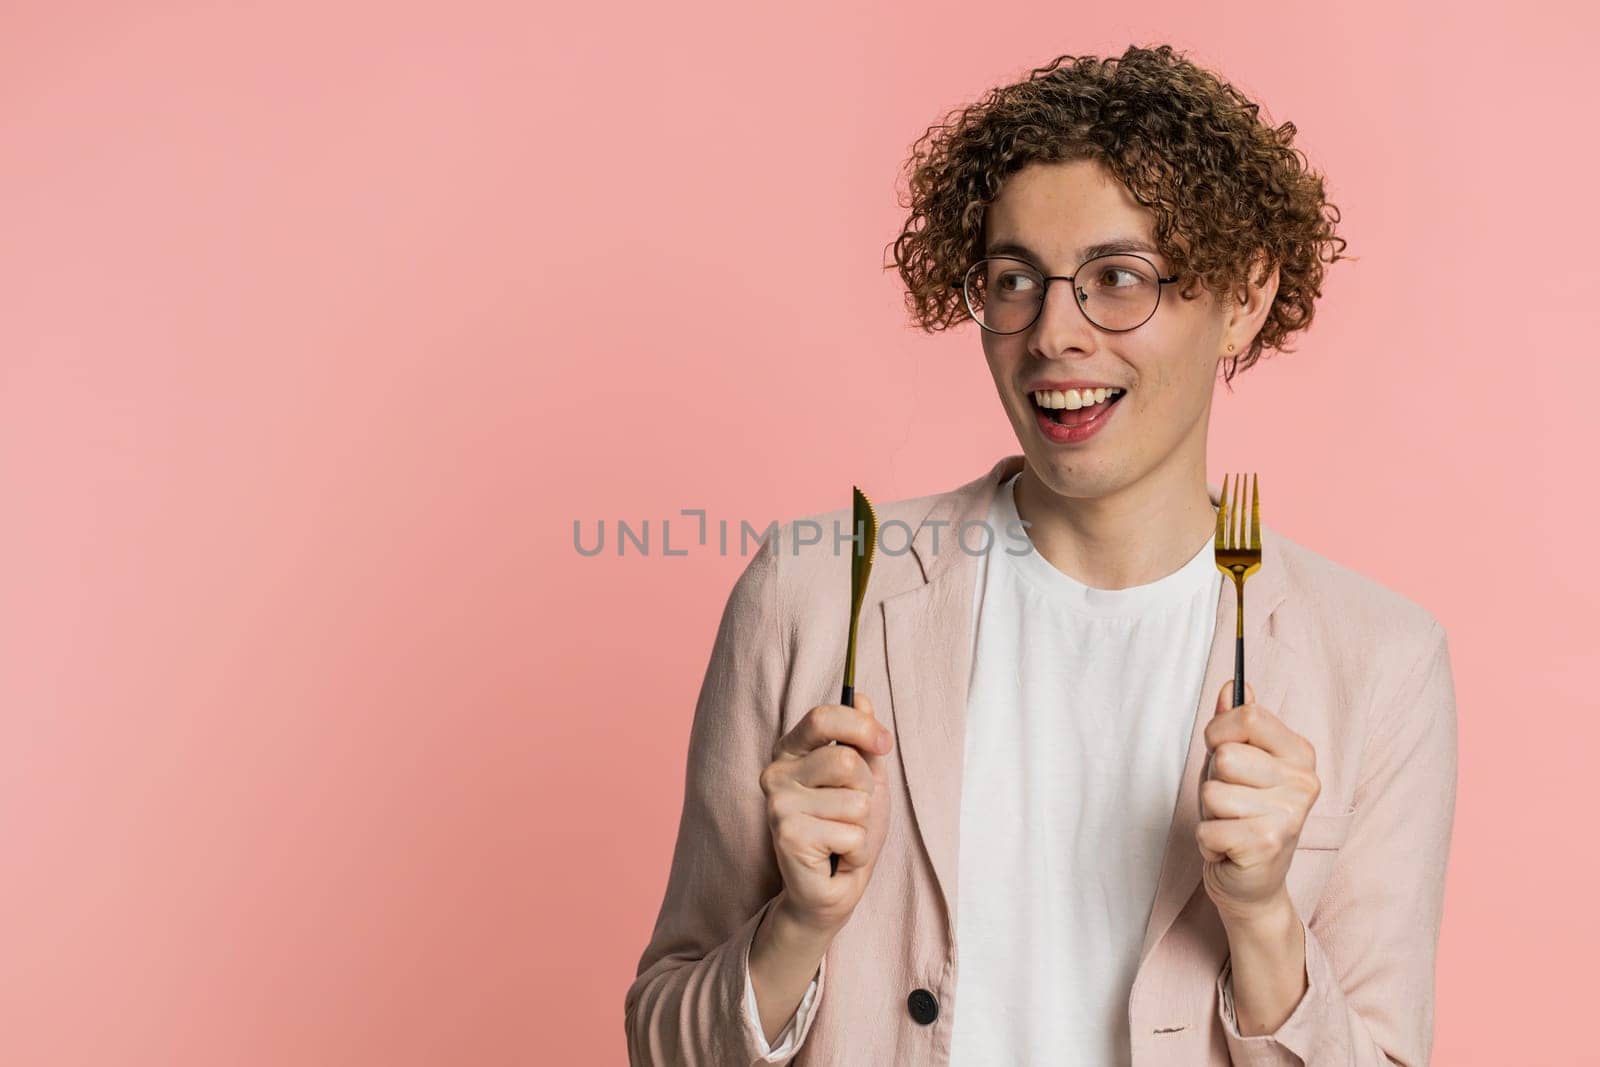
(1073, 399)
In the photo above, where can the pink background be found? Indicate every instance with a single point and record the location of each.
(320, 324)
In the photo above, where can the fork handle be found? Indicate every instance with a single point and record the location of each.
(1238, 671)
(847, 697)
(1238, 698)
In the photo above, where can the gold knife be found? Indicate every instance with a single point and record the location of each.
(864, 523)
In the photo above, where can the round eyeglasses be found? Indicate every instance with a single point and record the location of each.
(1117, 293)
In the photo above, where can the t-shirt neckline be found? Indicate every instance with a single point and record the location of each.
(1200, 573)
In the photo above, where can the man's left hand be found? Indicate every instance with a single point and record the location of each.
(1263, 782)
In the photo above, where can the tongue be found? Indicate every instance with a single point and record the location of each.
(1082, 415)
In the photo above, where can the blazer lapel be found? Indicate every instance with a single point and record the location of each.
(1268, 669)
(928, 645)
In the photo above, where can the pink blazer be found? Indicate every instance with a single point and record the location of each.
(1357, 669)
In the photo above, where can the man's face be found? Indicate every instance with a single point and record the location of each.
(1167, 366)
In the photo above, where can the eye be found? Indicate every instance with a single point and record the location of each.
(1015, 282)
(1131, 277)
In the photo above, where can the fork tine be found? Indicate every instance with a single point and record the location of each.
(1236, 518)
(1255, 512)
(1222, 514)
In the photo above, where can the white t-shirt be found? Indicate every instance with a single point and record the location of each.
(1079, 710)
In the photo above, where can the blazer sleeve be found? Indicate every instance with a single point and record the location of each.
(1372, 941)
(785, 1046)
(686, 1006)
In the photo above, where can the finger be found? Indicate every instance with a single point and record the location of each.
(1223, 712)
(1255, 725)
(834, 765)
(1229, 800)
(1225, 698)
(826, 837)
(1243, 841)
(834, 722)
(883, 739)
(1245, 764)
(863, 730)
(816, 728)
(838, 803)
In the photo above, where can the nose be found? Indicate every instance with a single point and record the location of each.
(1062, 330)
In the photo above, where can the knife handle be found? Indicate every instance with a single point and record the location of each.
(848, 699)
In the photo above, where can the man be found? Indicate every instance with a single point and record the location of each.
(1026, 873)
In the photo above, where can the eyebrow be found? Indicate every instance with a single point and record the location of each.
(1104, 248)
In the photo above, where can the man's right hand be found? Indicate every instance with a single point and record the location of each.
(825, 798)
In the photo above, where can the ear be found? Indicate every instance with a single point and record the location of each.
(1247, 309)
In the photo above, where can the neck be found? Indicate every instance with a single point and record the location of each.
(1134, 536)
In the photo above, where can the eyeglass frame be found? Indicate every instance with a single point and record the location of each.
(966, 301)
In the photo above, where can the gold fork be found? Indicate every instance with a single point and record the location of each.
(1238, 553)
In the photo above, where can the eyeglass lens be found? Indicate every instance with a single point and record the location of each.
(1116, 292)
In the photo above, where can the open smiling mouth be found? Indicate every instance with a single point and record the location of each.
(1074, 408)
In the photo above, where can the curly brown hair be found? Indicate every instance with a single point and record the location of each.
(1226, 189)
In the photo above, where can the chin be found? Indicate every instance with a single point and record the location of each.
(1078, 477)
